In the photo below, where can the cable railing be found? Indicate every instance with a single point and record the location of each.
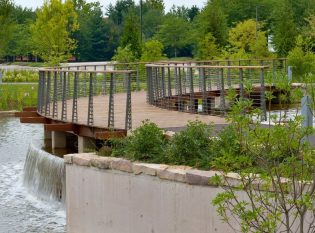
(203, 89)
(89, 97)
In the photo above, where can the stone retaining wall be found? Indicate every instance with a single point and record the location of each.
(114, 195)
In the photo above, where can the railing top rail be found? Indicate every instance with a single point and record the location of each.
(111, 63)
(232, 60)
(91, 71)
(205, 66)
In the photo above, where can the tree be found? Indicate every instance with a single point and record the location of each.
(174, 33)
(207, 49)
(117, 12)
(20, 43)
(52, 29)
(247, 37)
(124, 55)
(94, 38)
(212, 19)
(152, 51)
(131, 34)
(7, 25)
(273, 187)
(284, 28)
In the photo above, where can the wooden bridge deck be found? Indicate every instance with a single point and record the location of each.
(141, 111)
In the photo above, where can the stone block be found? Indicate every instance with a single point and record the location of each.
(84, 159)
(148, 168)
(121, 165)
(173, 174)
(197, 177)
(101, 162)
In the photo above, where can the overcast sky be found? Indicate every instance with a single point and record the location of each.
(168, 3)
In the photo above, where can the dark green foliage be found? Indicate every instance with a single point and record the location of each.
(147, 143)
(284, 28)
(96, 37)
(213, 20)
(192, 146)
(131, 34)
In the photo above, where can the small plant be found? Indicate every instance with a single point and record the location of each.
(275, 166)
(192, 146)
(147, 143)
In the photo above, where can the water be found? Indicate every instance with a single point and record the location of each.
(20, 210)
(285, 116)
(44, 175)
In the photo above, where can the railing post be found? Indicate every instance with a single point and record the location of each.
(241, 83)
(111, 118)
(39, 92)
(163, 82)
(149, 84)
(84, 82)
(262, 95)
(64, 96)
(137, 78)
(47, 109)
(192, 91)
(90, 120)
(222, 92)
(204, 91)
(229, 74)
(128, 123)
(55, 96)
(75, 98)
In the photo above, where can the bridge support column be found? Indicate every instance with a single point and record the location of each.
(59, 140)
(85, 144)
(47, 138)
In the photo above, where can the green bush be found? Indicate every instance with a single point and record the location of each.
(192, 146)
(147, 143)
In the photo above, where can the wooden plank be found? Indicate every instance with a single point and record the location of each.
(26, 114)
(33, 120)
(110, 134)
(29, 109)
(60, 127)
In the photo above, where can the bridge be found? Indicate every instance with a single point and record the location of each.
(103, 101)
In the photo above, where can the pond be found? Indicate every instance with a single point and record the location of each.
(20, 211)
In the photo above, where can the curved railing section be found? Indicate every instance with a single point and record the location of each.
(89, 97)
(203, 89)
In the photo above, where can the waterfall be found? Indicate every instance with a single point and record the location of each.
(44, 174)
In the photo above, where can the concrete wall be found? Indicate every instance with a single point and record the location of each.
(112, 201)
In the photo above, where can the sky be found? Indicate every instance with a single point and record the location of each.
(168, 3)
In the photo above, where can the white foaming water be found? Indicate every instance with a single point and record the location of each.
(20, 210)
(44, 175)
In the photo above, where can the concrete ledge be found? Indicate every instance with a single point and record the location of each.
(182, 174)
(7, 113)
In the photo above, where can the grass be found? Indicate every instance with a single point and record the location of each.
(17, 96)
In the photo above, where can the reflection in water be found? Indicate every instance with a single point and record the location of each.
(21, 212)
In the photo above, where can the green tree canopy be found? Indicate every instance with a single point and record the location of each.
(95, 40)
(7, 25)
(247, 37)
(174, 33)
(212, 19)
(152, 51)
(284, 28)
(52, 29)
(207, 49)
(131, 33)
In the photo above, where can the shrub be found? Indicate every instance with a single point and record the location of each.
(192, 146)
(147, 143)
